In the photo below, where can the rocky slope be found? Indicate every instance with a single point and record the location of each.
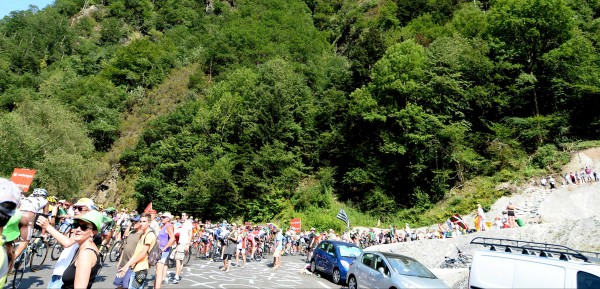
(568, 216)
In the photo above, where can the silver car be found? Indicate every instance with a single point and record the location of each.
(389, 270)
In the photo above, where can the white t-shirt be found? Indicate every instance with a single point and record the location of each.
(185, 231)
(65, 260)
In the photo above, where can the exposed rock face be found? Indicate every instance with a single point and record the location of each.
(107, 191)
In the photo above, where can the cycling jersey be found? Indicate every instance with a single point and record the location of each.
(33, 204)
(107, 224)
(11, 231)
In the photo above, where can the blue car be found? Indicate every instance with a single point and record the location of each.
(334, 258)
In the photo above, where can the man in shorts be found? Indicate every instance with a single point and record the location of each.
(183, 246)
(278, 249)
(231, 247)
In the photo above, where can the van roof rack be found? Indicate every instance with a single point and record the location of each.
(543, 249)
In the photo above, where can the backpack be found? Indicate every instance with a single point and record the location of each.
(155, 253)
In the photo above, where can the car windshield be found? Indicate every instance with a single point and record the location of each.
(410, 267)
(349, 251)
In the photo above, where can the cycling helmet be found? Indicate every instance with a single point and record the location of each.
(10, 197)
(52, 199)
(100, 207)
(40, 192)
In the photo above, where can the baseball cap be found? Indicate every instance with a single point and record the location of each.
(136, 218)
(167, 214)
(9, 192)
(93, 217)
(312, 229)
(85, 202)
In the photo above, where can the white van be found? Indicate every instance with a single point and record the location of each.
(521, 264)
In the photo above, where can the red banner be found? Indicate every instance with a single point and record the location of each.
(22, 178)
(296, 224)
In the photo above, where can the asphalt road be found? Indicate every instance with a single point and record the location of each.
(206, 274)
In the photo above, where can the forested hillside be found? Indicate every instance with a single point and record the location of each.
(294, 107)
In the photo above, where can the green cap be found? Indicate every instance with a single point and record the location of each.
(93, 217)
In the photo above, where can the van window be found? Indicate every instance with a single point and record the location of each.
(586, 280)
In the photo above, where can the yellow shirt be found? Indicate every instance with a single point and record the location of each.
(149, 239)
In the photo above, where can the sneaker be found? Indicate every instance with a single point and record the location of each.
(175, 281)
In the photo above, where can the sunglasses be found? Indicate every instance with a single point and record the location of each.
(163, 217)
(81, 209)
(84, 227)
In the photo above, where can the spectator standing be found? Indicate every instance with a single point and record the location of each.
(278, 249)
(83, 206)
(166, 239)
(231, 246)
(481, 216)
(128, 249)
(85, 265)
(510, 209)
(139, 261)
(183, 245)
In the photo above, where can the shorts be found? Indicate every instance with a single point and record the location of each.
(277, 253)
(164, 256)
(227, 257)
(180, 253)
(123, 281)
(511, 213)
(242, 250)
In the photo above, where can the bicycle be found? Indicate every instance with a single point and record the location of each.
(461, 260)
(34, 254)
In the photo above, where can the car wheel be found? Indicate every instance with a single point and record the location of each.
(337, 276)
(352, 283)
(313, 266)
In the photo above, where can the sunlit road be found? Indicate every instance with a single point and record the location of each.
(206, 274)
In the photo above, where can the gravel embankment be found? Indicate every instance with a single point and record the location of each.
(568, 216)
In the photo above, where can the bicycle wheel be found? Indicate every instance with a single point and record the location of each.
(39, 252)
(19, 270)
(186, 257)
(115, 251)
(56, 251)
(103, 252)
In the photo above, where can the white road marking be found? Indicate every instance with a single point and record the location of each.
(251, 281)
(324, 285)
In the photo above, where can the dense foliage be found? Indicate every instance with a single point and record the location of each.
(296, 106)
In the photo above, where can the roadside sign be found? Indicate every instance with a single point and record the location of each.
(296, 224)
(22, 178)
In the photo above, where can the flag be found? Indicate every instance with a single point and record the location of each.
(456, 219)
(342, 216)
(149, 210)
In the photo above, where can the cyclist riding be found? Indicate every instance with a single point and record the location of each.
(108, 225)
(10, 196)
(30, 206)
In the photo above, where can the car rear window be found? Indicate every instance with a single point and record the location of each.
(349, 251)
(409, 267)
